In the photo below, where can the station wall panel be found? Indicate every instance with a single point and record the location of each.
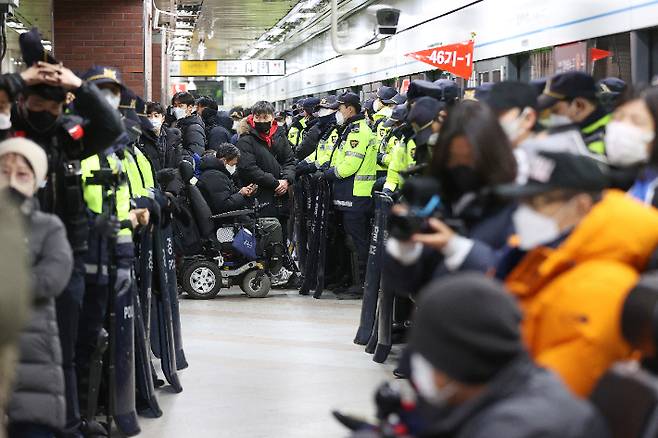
(501, 27)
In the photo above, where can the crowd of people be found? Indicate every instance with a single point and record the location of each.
(521, 228)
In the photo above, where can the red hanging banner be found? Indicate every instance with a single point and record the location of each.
(454, 58)
(597, 54)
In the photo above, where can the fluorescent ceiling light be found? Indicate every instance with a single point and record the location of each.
(275, 31)
(183, 32)
(310, 4)
(299, 16)
(263, 45)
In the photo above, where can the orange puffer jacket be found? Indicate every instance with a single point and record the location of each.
(572, 296)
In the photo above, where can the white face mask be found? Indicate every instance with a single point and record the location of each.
(5, 121)
(180, 113)
(556, 120)
(113, 99)
(377, 105)
(324, 112)
(422, 375)
(280, 124)
(512, 127)
(340, 119)
(434, 139)
(288, 121)
(533, 228)
(157, 123)
(626, 144)
(236, 125)
(387, 112)
(231, 169)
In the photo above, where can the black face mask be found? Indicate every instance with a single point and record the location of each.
(41, 121)
(263, 127)
(461, 180)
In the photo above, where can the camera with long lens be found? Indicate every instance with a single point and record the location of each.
(421, 194)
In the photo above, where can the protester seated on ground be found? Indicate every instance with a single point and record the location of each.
(472, 154)
(217, 184)
(37, 406)
(474, 378)
(580, 250)
(631, 141)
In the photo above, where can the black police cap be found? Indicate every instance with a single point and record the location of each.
(386, 94)
(425, 110)
(611, 85)
(511, 94)
(399, 99)
(399, 114)
(368, 105)
(128, 99)
(482, 91)
(32, 49)
(449, 89)
(103, 75)
(350, 99)
(311, 102)
(420, 88)
(567, 86)
(329, 102)
(548, 171)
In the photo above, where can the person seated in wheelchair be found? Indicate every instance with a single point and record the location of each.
(219, 184)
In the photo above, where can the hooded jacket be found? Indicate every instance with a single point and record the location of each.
(265, 160)
(38, 395)
(572, 296)
(218, 128)
(218, 187)
(194, 133)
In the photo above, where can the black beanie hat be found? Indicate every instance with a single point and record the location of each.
(467, 326)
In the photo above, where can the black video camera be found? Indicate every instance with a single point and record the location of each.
(106, 177)
(421, 194)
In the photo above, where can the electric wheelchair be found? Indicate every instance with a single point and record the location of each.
(218, 264)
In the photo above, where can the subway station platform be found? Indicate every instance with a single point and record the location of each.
(272, 367)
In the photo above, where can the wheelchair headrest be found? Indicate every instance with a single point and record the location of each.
(186, 170)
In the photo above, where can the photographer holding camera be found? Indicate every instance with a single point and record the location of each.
(471, 154)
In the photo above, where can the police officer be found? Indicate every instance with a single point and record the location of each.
(319, 130)
(300, 121)
(403, 150)
(353, 168)
(569, 102)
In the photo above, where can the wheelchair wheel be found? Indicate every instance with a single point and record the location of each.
(202, 280)
(256, 284)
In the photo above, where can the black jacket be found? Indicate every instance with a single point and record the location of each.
(194, 134)
(265, 165)
(218, 187)
(314, 132)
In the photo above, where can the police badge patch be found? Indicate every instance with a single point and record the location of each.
(354, 143)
